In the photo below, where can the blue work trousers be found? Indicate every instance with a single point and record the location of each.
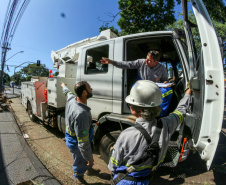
(79, 165)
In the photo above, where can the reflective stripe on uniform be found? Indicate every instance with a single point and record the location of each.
(83, 139)
(78, 174)
(167, 93)
(141, 167)
(70, 133)
(69, 93)
(114, 161)
(160, 162)
(179, 114)
(150, 166)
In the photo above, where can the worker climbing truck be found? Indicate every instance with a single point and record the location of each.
(44, 100)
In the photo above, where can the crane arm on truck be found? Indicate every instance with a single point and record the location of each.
(69, 53)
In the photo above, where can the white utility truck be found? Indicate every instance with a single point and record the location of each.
(200, 130)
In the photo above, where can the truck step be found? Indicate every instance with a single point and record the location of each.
(172, 155)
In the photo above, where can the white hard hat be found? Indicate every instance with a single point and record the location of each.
(144, 93)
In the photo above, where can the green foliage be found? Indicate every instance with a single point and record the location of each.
(27, 72)
(112, 28)
(216, 9)
(220, 29)
(18, 78)
(145, 15)
(6, 78)
(153, 15)
(34, 70)
(56, 73)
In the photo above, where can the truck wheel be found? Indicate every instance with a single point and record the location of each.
(29, 110)
(106, 143)
(61, 123)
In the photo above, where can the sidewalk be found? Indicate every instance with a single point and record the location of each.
(18, 164)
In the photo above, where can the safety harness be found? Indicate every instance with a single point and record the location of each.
(152, 150)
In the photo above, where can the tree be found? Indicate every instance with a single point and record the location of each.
(220, 29)
(34, 70)
(216, 9)
(152, 15)
(145, 15)
(56, 73)
(18, 78)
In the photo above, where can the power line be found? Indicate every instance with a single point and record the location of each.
(11, 21)
(44, 51)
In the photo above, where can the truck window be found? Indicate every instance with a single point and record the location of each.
(138, 49)
(173, 71)
(93, 57)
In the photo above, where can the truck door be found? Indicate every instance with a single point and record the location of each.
(206, 81)
(98, 75)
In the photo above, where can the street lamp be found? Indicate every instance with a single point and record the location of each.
(14, 55)
(2, 72)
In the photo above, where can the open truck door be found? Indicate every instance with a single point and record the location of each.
(206, 81)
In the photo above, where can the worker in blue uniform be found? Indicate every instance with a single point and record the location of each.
(79, 130)
(132, 162)
(148, 69)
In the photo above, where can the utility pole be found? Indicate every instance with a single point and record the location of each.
(3, 65)
(2, 69)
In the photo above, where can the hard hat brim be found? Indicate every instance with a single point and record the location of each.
(131, 101)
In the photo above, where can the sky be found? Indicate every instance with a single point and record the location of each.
(48, 25)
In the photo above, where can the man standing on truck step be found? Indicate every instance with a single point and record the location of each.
(135, 159)
(79, 130)
(148, 69)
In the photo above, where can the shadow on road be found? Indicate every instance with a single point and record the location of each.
(104, 176)
(52, 130)
(219, 162)
(193, 166)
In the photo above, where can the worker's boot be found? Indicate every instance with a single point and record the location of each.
(81, 181)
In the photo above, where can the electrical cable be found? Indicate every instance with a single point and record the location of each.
(11, 21)
(19, 16)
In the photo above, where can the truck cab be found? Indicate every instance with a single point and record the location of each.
(204, 71)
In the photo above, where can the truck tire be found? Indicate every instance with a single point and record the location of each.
(29, 110)
(106, 143)
(61, 123)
